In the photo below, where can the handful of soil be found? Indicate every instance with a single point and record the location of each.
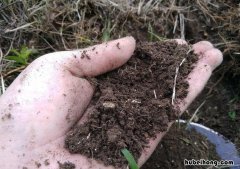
(133, 103)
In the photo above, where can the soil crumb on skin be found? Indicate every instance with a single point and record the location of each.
(7, 116)
(46, 162)
(38, 164)
(133, 103)
(179, 144)
(85, 55)
(118, 45)
(66, 165)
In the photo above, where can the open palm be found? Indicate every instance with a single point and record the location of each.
(52, 94)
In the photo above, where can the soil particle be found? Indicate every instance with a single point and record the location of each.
(133, 104)
(6, 116)
(46, 162)
(114, 134)
(38, 164)
(109, 105)
(85, 55)
(66, 165)
(118, 45)
(68, 118)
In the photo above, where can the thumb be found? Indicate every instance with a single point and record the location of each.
(98, 59)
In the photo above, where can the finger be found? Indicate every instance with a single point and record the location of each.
(201, 47)
(213, 58)
(197, 80)
(98, 59)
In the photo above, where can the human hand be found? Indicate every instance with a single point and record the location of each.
(51, 95)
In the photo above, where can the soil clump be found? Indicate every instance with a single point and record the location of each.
(133, 103)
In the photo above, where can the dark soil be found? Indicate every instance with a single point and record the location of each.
(221, 100)
(133, 104)
(66, 165)
(216, 21)
(179, 144)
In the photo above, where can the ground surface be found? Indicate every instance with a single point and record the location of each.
(61, 25)
(179, 144)
(216, 112)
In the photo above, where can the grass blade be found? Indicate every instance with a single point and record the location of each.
(129, 157)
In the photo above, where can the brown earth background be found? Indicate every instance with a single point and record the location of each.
(48, 26)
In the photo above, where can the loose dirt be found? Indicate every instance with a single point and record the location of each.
(133, 103)
(179, 144)
(66, 165)
(215, 113)
(216, 21)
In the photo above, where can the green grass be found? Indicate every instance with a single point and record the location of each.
(152, 36)
(232, 115)
(129, 157)
(232, 103)
(106, 31)
(21, 56)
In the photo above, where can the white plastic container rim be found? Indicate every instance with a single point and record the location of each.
(224, 147)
